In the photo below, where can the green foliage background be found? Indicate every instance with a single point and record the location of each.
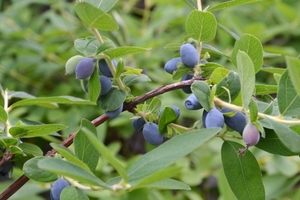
(36, 39)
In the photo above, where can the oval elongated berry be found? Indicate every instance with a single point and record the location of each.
(5, 169)
(72, 63)
(57, 188)
(214, 119)
(187, 89)
(250, 135)
(138, 124)
(84, 68)
(237, 122)
(189, 55)
(171, 65)
(151, 134)
(114, 113)
(105, 85)
(192, 103)
(104, 69)
(175, 108)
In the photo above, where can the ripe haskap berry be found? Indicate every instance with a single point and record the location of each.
(105, 85)
(250, 134)
(192, 103)
(114, 113)
(151, 134)
(57, 188)
(171, 65)
(187, 89)
(204, 114)
(84, 68)
(175, 108)
(138, 124)
(189, 55)
(104, 69)
(237, 122)
(214, 119)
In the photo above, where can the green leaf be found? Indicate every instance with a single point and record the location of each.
(69, 156)
(272, 144)
(156, 177)
(201, 25)
(154, 105)
(94, 86)
(293, 65)
(232, 83)
(31, 149)
(71, 170)
(288, 99)
(252, 47)
(181, 71)
(88, 46)
(134, 79)
(242, 172)
(28, 131)
(247, 77)
(253, 110)
(108, 44)
(120, 68)
(83, 148)
(113, 99)
(287, 136)
(32, 171)
(170, 184)
(104, 5)
(213, 50)
(105, 152)
(202, 92)
(273, 70)
(167, 116)
(41, 101)
(93, 17)
(261, 89)
(232, 3)
(7, 141)
(73, 193)
(168, 152)
(3, 115)
(218, 74)
(124, 50)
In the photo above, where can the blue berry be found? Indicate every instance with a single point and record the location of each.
(138, 124)
(151, 134)
(171, 65)
(237, 122)
(57, 188)
(189, 55)
(84, 68)
(192, 103)
(251, 135)
(114, 113)
(214, 119)
(105, 85)
(187, 89)
(104, 69)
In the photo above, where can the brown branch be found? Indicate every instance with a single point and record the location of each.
(13, 188)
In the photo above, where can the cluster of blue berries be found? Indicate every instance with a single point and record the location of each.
(85, 68)
(215, 117)
(150, 130)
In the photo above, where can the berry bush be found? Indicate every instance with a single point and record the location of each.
(156, 100)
